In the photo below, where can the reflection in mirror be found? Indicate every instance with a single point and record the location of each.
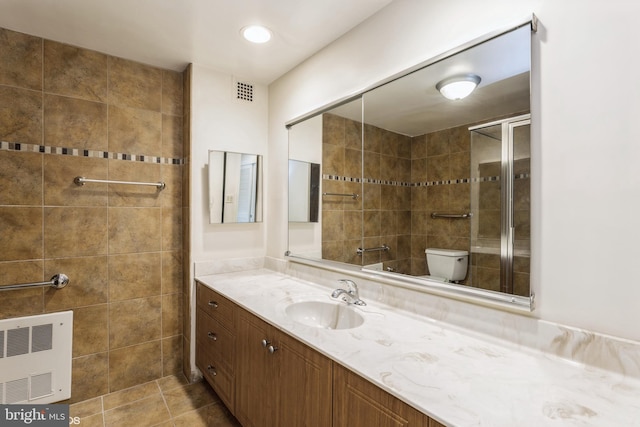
(304, 191)
(444, 183)
(235, 187)
(336, 147)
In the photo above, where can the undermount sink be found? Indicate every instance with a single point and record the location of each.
(327, 315)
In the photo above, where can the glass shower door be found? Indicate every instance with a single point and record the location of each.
(500, 231)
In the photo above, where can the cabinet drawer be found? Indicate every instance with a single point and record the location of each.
(217, 376)
(216, 306)
(215, 339)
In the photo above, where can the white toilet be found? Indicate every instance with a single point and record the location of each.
(448, 265)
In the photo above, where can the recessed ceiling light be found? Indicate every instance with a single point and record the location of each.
(256, 33)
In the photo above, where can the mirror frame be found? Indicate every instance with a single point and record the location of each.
(217, 177)
(504, 300)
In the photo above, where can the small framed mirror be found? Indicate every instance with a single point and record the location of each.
(304, 191)
(235, 187)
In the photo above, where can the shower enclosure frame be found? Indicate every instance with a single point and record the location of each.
(507, 178)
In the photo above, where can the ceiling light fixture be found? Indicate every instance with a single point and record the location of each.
(458, 87)
(256, 33)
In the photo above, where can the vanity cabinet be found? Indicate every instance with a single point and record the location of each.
(280, 381)
(359, 403)
(215, 342)
(267, 378)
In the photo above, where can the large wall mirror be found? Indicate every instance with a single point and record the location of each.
(235, 187)
(424, 184)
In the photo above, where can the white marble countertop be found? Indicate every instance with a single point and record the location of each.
(455, 377)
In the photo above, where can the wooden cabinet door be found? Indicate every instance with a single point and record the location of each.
(304, 385)
(255, 373)
(358, 403)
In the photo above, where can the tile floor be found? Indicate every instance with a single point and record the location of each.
(166, 402)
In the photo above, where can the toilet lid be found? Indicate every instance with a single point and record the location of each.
(445, 252)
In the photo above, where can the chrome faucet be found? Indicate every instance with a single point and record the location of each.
(349, 296)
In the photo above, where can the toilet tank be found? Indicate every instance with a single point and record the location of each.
(448, 264)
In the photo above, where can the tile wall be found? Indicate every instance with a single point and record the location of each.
(66, 112)
(405, 179)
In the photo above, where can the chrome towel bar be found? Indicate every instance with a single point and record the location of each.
(354, 196)
(81, 180)
(58, 281)
(384, 248)
(451, 215)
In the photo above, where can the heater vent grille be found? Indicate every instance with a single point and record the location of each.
(35, 358)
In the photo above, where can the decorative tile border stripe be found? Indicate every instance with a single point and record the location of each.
(79, 152)
(420, 184)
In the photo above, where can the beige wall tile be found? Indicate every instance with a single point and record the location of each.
(172, 93)
(77, 231)
(419, 147)
(135, 131)
(371, 196)
(21, 231)
(438, 168)
(135, 85)
(172, 355)
(333, 130)
(20, 178)
(171, 315)
(127, 317)
(186, 354)
(59, 188)
(438, 143)
(353, 135)
(419, 170)
(50, 225)
(121, 195)
(134, 276)
(353, 163)
(371, 224)
(20, 60)
(90, 333)
(171, 229)
(171, 196)
(75, 72)
(20, 115)
(21, 302)
(172, 272)
(332, 225)
(172, 130)
(332, 159)
(87, 282)
(372, 139)
(17, 272)
(371, 165)
(89, 377)
(460, 165)
(75, 123)
(134, 365)
(134, 230)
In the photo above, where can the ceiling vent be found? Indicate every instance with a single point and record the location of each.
(244, 91)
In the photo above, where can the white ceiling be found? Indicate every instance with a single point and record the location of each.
(413, 106)
(173, 33)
